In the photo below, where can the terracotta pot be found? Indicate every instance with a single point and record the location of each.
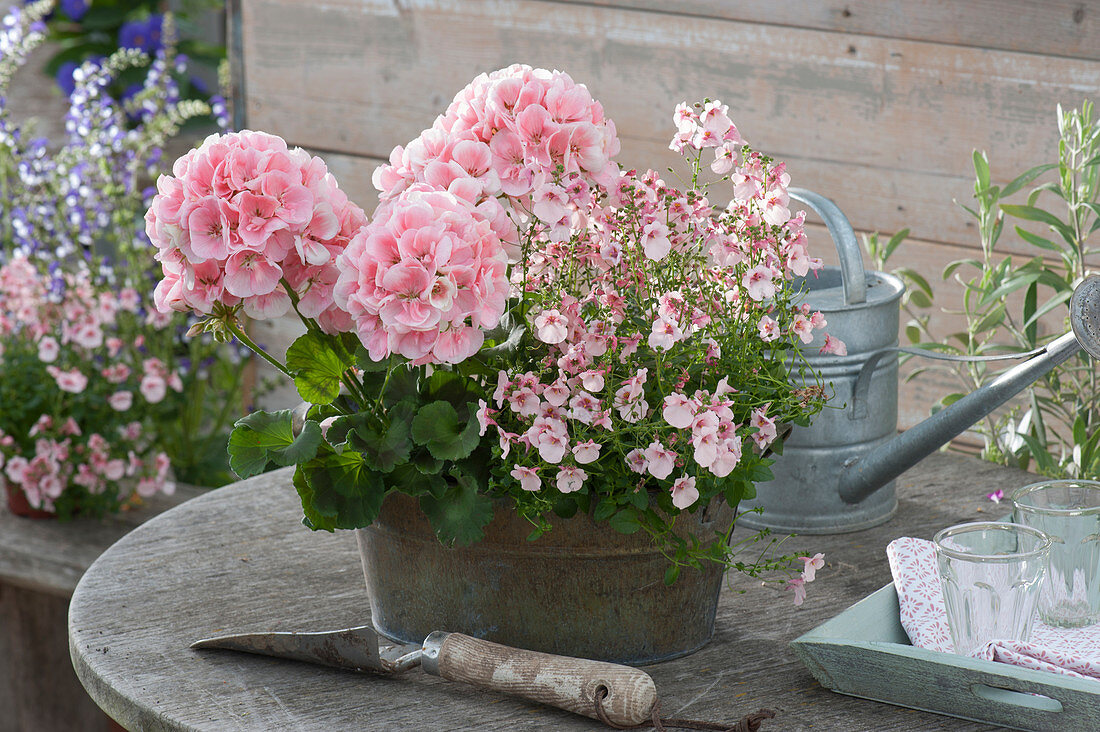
(18, 505)
(581, 589)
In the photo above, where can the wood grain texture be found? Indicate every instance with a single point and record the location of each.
(238, 560)
(566, 683)
(49, 556)
(1052, 27)
(875, 123)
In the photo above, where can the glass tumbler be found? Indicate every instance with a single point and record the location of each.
(990, 573)
(1069, 512)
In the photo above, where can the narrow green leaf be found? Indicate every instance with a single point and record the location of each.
(1036, 240)
(1032, 213)
(952, 266)
(981, 170)
(891, 245)
(1026, 177)
(1031, 303)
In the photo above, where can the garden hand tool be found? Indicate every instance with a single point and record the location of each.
(627, 695)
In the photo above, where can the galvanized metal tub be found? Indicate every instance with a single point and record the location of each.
(581, 589)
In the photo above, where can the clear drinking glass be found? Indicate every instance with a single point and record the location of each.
(1069, 512)
(990, 573)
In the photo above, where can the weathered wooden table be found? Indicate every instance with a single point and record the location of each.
(238, 559)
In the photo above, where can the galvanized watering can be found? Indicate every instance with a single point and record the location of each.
(838, 474)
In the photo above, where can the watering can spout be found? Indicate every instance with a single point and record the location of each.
(861, 477)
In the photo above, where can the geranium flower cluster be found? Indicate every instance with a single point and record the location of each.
(425, 277)
(78, 388)
(488, 159)
(243, 220)
(508, 131)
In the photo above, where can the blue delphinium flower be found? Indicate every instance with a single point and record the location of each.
(75, 9)
(64, 77)
(144, 35)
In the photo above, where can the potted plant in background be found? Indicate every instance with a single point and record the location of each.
(525, 351)
(1054, 430)
(101, 392)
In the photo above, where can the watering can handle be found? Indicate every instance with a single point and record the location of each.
(862, 386)
(844, 237)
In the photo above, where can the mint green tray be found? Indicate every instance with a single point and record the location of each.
(865, 652)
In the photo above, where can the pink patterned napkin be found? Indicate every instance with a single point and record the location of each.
(1074, 652)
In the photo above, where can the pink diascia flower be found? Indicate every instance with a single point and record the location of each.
(120, 401)
(48, 349)
(240, 216)
(527, 477)
(811, 565)
(799, 586)
(586, 452)
(684, 493)
(570, 479)
(834, 346)
(425, 278)
(551, 326)
(71, 381)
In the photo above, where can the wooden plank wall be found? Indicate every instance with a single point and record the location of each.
(877, 104)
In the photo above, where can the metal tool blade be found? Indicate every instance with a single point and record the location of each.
(1084, 315)
(354, 649)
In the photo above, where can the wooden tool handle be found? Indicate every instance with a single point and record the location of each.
(558, 681)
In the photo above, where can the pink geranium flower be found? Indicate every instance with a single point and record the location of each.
(243, 217)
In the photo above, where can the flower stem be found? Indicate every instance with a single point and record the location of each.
(239, 333)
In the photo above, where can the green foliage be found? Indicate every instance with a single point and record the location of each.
(1020, 304)
(263, 440)
(438, 427)
(317, 364)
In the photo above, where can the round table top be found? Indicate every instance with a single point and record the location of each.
(238, 560)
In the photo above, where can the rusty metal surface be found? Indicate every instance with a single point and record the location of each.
(579, 590)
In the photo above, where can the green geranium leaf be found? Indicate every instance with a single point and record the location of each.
(263, 440)
(313, 519)
(625, 521)
(426, 463)
(344, 493)
(461, 513)
(317, 367)
(437, 426)
(448, 386)
(384, 448)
